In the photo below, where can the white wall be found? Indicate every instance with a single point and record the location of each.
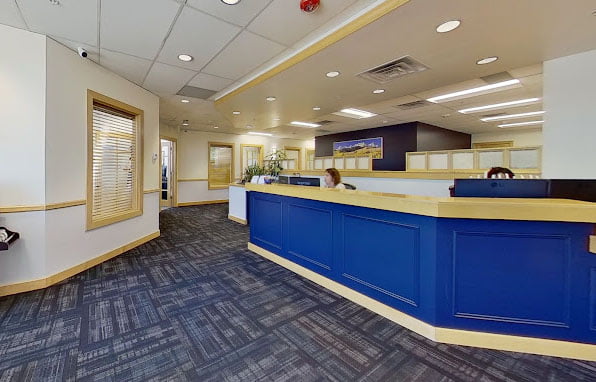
(43, 134)
(525, 137)
(192, 160)
(570, 119)
(22, 117)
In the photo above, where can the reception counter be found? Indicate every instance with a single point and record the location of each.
(511, 274)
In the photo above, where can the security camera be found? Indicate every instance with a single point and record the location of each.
(82, 52)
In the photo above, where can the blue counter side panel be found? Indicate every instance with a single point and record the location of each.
(516, 277)
(511, 277)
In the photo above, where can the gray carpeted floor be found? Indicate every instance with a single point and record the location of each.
(196, 305)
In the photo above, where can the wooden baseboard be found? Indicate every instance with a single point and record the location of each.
(186, 204)
(237, 220)
(28, 286)
(532, 345)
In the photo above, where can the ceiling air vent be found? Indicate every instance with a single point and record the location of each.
(192, 91)
(413, 105)
(324, 122)
(393, 69)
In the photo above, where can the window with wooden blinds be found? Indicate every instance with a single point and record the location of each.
(114, 176)
(221, 165)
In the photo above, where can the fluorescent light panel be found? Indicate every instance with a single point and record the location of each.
(358, 113)
(473, 90)
(511, 116)
(257, 133)
(522, 124)
(304, 124)
(499, 105)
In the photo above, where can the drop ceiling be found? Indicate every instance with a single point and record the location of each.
(141, 39)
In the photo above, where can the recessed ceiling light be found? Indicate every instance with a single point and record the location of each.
(185, 122)
(358, 113)
(448, 26)
(230, 2)
(499, 105)
(270, 99)
(487, 60)
(521, 124)
(332, 74)
(473, 90)
(216, 127)
(378, 91)
(257, 133)
(236, 112)
(184, 57)
(511, 116)
(304, 124)
(316, 108)
(184, 101)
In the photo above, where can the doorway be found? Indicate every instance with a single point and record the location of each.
(167, 171)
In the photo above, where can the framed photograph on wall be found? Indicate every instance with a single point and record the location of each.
(366, 146)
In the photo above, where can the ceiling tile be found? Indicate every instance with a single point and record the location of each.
(286, 23)
(136, 27)
(9, 14)
(207, 81)
(72, 19)
(130, 67)
(245, 53)
(167, 79)
(239, 14)
(199, 35)
(92, 51)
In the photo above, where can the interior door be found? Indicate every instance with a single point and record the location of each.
(167, 173)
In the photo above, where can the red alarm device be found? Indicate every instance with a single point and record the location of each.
(309, 6)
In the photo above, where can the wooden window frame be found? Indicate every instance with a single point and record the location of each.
(232, 177)
(137, 210)
(299, 149)
(261, 151)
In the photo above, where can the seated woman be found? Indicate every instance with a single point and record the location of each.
(496, 172)
(333, 179)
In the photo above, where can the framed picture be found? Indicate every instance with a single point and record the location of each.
(366, 146)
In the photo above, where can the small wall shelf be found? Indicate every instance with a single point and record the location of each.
(12, 236)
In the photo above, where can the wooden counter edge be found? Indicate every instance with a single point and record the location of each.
(592, 245)
(445, 207)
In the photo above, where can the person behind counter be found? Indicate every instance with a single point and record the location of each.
(333, 179)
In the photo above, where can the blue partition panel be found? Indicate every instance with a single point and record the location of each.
(511, 277)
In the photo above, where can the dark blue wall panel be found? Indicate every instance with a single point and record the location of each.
(388, 260)
(310, 235)
(536, 268)
(266, 223)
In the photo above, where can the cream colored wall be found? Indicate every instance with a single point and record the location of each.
(530, 137)
(192, 160)
(43, 134)
(570, 118)
(168, 131)
(22, 117)
(68, 78)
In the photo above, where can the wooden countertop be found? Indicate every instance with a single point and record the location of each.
(563, 210)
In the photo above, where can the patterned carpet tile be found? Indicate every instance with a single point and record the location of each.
(196, 305)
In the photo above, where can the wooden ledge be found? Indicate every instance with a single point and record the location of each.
(562, 210)
(592, 245)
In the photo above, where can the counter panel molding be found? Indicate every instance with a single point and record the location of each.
(388, 261)
(310, 235)
(478, 277)
(481, 260)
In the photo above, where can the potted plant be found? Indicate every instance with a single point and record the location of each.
(274, 160)
(254, 170)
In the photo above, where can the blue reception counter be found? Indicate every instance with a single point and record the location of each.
(453, 279)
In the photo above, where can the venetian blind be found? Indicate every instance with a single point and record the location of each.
(114, 162)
